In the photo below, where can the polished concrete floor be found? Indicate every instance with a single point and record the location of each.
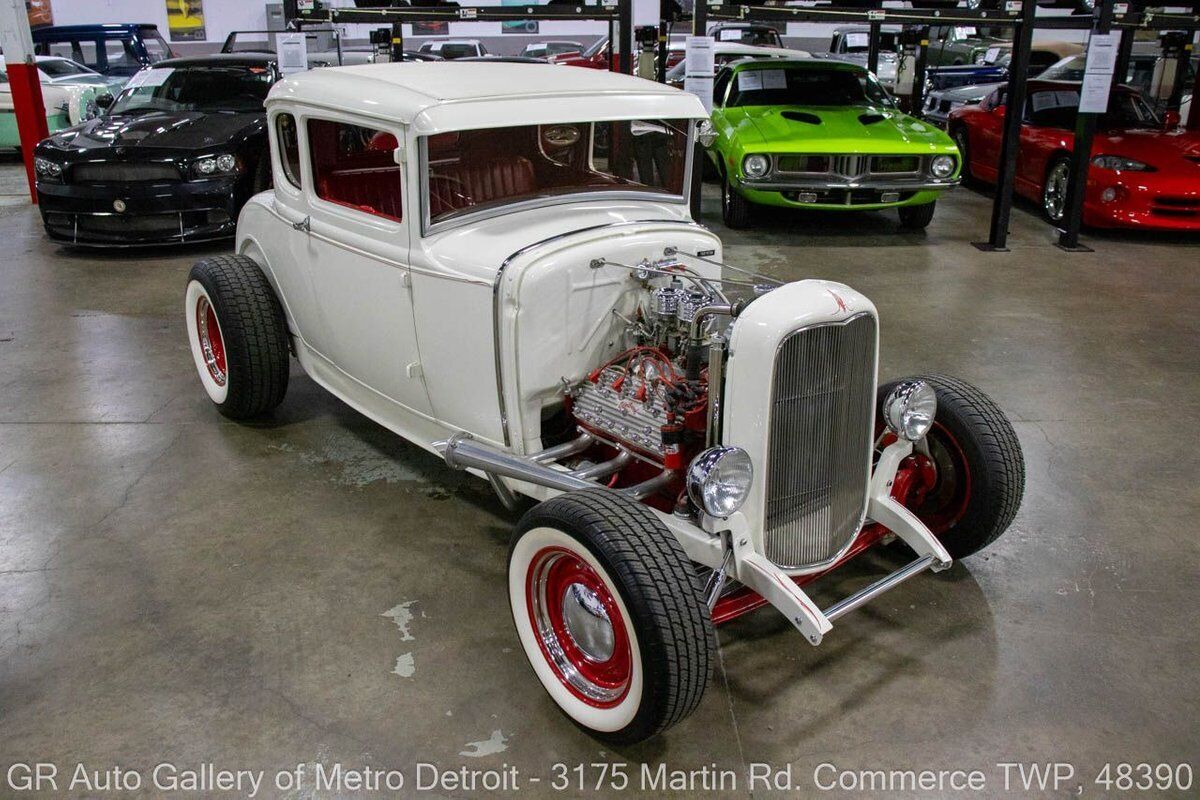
(311, 590)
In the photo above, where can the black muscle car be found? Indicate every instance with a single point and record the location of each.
(175, 157)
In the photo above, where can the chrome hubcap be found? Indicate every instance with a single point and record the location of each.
(588, 623)
(1054, 200)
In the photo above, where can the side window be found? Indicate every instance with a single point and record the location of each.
(354, 167)
(121, 56)
(289, 147)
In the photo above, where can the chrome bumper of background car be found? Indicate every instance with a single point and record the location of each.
(817, 185)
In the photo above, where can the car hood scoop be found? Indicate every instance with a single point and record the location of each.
(871, 117)
(801, 116)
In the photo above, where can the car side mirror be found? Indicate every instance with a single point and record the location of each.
(998, 111)
(1171, 119)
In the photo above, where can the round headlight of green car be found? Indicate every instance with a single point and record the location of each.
(756, 166)
(942, 166)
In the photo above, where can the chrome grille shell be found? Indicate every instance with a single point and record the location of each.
(818, 459)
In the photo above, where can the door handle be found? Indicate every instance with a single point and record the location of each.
(303, 225)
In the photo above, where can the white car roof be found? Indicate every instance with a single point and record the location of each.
(437, 96)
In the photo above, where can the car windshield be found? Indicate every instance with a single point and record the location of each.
(805, 86)
(458, 50)
(764, 37)
(1058, 108)
(474, 170)
(860, 42)
(62, 67)
(677, 72)
(206, 88)
(595, 48)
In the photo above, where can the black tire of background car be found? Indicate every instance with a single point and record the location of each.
(960, 137)
(735, 209)
(1054, 163)
(917, 217)
(658, 585)
(254, 332)
(993, 455)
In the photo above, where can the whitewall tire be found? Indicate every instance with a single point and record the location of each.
(238, 336)
(608, 612)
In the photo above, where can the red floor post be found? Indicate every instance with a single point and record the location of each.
(24, 82)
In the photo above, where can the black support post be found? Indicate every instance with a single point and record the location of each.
(1193, 120)
(624, 53)
(397, 41)
(1010, 142)
(664, 35)
(1081, 157)
(917, 99)
(1181, 64)
(699, 28)
(873, 48)
(290, 12)
(1124, 56)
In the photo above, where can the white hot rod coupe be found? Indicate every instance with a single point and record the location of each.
(497, 262)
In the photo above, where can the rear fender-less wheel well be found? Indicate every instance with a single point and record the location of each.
(250, 248)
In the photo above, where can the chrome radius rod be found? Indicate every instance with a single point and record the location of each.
(675, 251)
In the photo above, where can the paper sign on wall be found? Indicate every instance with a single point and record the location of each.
(292, 50)
(698, 68)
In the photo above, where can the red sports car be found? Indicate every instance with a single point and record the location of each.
(1145, 172)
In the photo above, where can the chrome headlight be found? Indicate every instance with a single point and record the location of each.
(706, 134)
(942, 166)
(756, 166)
(718, 480)
(216, 165)
(909, 409)
(1121, 164)
(45, 168)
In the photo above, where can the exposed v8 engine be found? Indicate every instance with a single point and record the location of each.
(652, 398)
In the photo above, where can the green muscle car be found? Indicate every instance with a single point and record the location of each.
(821, 134)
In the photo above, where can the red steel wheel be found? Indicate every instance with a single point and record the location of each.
(968, 488)
(608, 612)
(208, 329)
(580, 627)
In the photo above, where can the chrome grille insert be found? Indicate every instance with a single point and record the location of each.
(819, 453)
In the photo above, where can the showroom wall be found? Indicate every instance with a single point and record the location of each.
(223, 16)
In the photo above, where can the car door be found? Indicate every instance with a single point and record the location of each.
(350, 243)
(989, 132)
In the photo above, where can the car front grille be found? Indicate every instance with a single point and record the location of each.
(849, 168)
(1170, 206)
(819, 452)
(124, 172)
